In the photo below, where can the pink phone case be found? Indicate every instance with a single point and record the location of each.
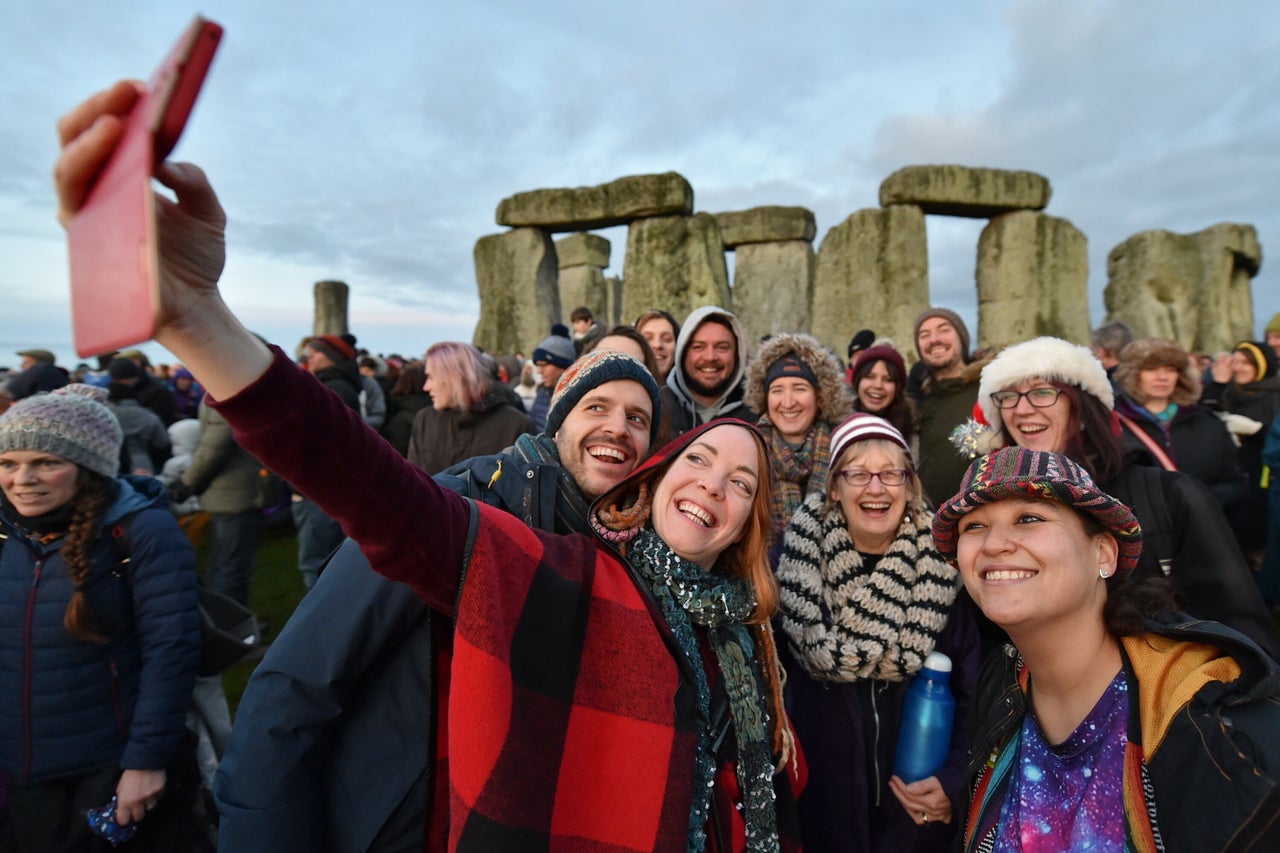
(114, 276)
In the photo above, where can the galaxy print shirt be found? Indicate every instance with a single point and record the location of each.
(1069, 796)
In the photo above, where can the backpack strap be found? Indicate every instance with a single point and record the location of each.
(1166, 461)
(1149, 503)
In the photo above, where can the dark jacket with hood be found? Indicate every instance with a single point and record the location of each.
(350, 771)
(1260, 401)
(443, 437)
(1206, 728)
(682, 412)
(510, 589)
(73, 706)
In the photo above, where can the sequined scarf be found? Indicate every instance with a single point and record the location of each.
(690, 596)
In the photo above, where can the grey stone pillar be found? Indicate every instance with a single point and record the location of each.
(583, 258)
(675, 263)
(872, 273)
(519, 300)
(330, 308)
(1033, 275)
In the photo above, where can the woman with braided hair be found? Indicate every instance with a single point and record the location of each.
(100, 641)
(865, 599)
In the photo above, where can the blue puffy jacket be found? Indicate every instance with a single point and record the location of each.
(68, 706)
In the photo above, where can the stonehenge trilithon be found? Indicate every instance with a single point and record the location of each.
(870, 271)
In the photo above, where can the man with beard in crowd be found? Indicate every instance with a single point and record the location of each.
(950, 389)
(707, 380)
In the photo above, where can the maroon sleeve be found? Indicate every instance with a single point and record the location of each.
(410, 529)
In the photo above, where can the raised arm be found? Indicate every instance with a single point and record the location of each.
(409, 528)
(195, 324)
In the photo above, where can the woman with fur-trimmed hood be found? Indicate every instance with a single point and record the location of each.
(1160, 388)
(798, 385)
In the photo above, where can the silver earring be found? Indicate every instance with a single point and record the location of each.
(1102, 573)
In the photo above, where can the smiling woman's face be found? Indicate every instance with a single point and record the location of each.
(703, 501)
(1034, 428)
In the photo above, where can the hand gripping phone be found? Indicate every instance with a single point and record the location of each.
(115, 297)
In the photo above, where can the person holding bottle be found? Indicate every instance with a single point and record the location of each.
(1112, 723)
(865, 599)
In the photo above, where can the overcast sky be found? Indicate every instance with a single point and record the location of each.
(371, 142)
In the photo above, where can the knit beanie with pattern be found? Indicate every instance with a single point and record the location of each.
(593, 370)
(70, 422)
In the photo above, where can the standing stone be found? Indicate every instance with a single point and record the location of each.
(675, 263)
(1193, 288)
(583, 258)
(330, 308)
(586, 208)
(872, 273)
(613, 294)
(962, 191)
(766, 225)
(773, 286)
(516, 278)
(1033, 276)
(1231, 257)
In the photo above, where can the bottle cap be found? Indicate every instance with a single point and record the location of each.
(938, 662)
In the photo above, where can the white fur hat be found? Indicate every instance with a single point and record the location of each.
(1051, 359)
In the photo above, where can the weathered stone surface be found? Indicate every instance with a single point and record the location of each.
(872, 272)
(583, 249)
(613, 295)
(331, 308)
(676, 263)
(1193, 288)
(584, 285)
(766, 225)
(1033, 276)
(963, 191)
(584, 208)
(519, 299)
(773, 286)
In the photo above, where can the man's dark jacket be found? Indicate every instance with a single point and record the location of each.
(319, 758)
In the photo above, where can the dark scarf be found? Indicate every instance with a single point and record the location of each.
(800, 470)
(847, 622)
(690, 596)
(41, 528)
(571, 505)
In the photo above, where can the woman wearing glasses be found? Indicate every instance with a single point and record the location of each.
(1048, 394)
(865, 598)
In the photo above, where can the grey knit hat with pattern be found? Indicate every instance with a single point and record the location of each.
(71, 422)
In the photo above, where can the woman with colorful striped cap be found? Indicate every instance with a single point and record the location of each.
(1112, 723)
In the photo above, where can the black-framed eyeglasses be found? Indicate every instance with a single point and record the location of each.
(1041, 398)
(888, 477)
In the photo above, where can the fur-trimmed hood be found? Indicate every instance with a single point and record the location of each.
(835, 398)
(1051, 359)
(1150, 353)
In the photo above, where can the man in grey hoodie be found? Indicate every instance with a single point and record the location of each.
(707, 380)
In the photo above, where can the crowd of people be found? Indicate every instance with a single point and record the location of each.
(655, 587)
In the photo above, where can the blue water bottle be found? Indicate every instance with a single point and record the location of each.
(928, 710)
